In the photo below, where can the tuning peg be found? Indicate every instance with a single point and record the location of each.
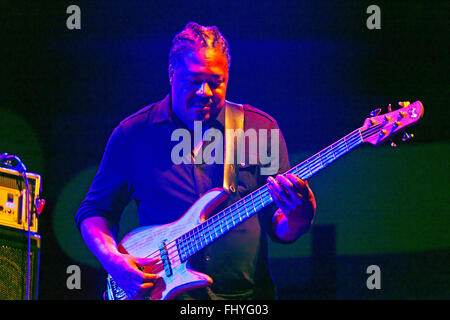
(393, 144)
(389, 108)
(375, 112)
(407, 136)
(404, 104)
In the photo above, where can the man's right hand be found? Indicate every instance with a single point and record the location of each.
(132, 274)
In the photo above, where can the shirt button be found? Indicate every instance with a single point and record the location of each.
(207, 258)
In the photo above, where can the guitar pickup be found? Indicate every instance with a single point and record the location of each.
(165, 259)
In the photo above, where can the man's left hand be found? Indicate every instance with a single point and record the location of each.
(294, 198)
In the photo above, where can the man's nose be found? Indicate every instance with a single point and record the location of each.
(204, 90)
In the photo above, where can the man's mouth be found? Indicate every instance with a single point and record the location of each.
(203, 107)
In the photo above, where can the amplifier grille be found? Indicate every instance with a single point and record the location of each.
(13, 266)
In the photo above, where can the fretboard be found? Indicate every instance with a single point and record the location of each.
(216, 226)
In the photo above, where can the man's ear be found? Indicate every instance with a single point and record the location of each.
(170, 74)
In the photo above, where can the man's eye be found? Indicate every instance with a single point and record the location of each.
(215, 85)
(195, 82)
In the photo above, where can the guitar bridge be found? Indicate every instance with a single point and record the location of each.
(165, 259)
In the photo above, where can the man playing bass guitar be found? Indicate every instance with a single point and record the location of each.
(138, 164)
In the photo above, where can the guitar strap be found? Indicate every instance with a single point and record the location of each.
(234, 120)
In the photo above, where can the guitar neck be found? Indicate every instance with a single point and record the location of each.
(219, 224)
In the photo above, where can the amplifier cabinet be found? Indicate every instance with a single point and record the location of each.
(14, 264)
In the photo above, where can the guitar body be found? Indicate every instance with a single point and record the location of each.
(150, 241)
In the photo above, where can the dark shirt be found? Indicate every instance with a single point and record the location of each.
(137, 165)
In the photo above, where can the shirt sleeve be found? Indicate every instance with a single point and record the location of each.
(283, 164)
(111, 189)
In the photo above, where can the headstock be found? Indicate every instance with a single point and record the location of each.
(380, 128)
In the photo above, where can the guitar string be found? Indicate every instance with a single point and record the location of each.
(206, 231)
(195, 236)
(334, 149)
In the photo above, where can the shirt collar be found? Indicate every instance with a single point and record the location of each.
(161, 110)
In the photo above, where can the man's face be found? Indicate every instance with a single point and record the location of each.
(199, 85)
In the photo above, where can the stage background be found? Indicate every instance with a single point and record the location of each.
(313, 65)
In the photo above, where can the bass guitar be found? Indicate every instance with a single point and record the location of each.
(175, 243)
